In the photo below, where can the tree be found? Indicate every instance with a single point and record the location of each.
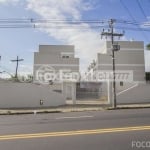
(148, 46)
(147, 76)
(27, 79)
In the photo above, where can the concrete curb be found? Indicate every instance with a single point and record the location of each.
(70, 109)
(22, 112)
(132, 106)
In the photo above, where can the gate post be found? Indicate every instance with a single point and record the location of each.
(74, 92)
(109, 91)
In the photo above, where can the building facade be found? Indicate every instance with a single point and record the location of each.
(130, 57)
(56, 65)
(56, 57)
(129, 66)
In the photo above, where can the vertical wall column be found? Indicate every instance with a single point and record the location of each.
(72, 92)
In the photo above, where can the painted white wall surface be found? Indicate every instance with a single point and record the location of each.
(139, 93)
(130, 57)
(28, 95)
(52, 56)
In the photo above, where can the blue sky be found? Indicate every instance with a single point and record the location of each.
(24, 42)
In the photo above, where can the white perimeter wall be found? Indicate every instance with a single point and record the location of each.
(28, 95)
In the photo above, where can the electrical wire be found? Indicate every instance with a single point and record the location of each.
(126, 8)
(70, 24)
(141, 8)
(31, 20)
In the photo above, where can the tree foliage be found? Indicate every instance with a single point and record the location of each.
(147, 76)
(148, 46)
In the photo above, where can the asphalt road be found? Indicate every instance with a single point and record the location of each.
(103, 130)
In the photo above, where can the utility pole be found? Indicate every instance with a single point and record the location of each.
(115, 47)
(17, 63)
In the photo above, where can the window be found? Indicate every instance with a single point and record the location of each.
(65, 56)
(121, 83)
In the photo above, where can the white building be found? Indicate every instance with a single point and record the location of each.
(57, 57)
(129, 59)
(56, 65)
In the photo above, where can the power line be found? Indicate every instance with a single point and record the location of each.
(141, 8)
(70, 27)
(33, 20)
(126, 8)
(47, 21)
(129, 22)
(73, 24)
(50, 21)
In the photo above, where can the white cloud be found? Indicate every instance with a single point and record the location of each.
(26, 69)
(8, 1)
(55, 9)
(87, 42)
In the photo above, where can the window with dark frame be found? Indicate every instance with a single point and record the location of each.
(65, 56)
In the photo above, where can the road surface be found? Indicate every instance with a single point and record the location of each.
(101, 130)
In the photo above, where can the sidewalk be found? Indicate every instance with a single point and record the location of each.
(60, 109)
(133, 106)
(69, 108)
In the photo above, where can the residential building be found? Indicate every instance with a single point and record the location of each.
(130, 57)
(56, 65)
(58, 57)
(129, 61)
